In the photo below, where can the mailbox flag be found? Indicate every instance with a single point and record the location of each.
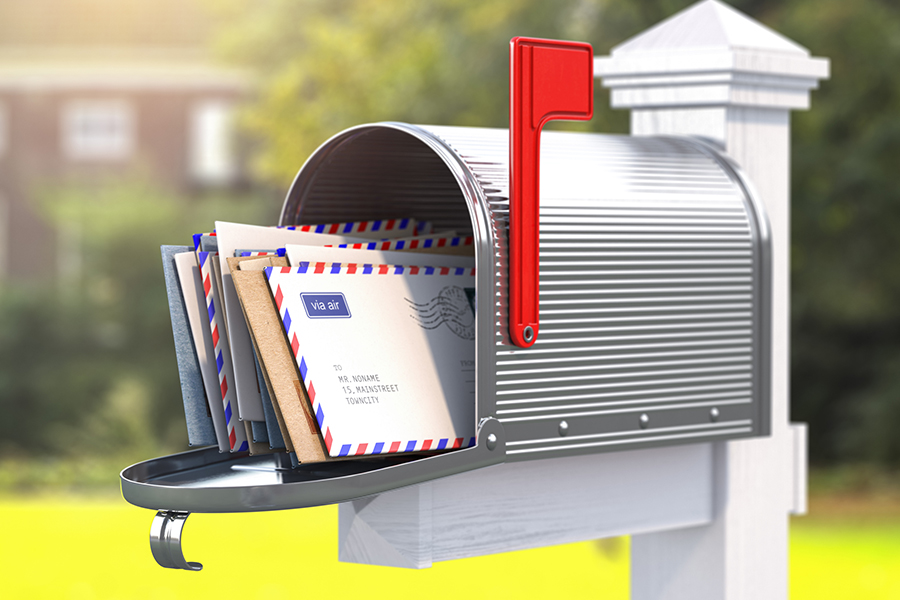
(548, 80)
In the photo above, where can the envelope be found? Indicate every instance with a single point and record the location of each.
(255, 447)
(230, 237)
(237, 439)
(296, 254)
(273, 429)
(195, 306)
(292, 409)
(197, 416)
(438, 244)
(259, 433)
(198, 237)
(386, 355)
(377, 230)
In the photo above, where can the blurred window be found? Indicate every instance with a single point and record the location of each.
(212, 153)
(101, 130)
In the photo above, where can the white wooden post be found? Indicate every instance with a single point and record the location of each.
(714, 72)
(710, 521)
(522, 505)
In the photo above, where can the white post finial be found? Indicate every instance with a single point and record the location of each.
(707, 58)
(712, 71)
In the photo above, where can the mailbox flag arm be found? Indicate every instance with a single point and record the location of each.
(548, 80)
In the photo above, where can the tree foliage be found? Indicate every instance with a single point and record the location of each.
(83, 374)
(846, 232)
(88, 360)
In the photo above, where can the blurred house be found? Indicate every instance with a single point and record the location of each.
(93, 91)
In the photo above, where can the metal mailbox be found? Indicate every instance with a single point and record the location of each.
(654, 301)
(654, 277)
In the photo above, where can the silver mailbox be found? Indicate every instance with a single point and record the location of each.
(654, 307)
(652, 263)
(654, 277)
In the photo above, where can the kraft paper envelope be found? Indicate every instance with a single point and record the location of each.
(230, 237)
(299, 429)
(296, 254)
(273, 417)
(252, 301)
(195, 306)
(387, 360)
(196, 412)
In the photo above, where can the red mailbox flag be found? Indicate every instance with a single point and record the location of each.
(548, 80)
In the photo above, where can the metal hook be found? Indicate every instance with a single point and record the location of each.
(165, 540)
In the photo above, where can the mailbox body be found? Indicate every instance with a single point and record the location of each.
(655, 293)
(655, 283)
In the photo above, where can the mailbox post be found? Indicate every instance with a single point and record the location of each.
(711, 71)
(709, 521)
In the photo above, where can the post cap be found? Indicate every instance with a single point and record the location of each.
(710, 55)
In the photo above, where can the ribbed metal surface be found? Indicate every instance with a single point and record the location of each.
(653, 280)
(379, 174)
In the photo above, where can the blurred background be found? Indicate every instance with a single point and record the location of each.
(127, 125)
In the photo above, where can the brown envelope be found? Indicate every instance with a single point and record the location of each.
(276, 361)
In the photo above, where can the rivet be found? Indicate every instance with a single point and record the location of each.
(528, 334)
(563, 428)
(644, 421)
(491, 441)
(714, 414)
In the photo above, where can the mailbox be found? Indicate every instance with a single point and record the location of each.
(654, 292)
(652, 286)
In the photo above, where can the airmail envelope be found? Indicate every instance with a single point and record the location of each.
(230, 237)
(379, 229)
(445, 243)
(297, 254)
(386, 354)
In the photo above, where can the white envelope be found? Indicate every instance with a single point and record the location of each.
(195, 305)
(388, 360)
(230, 237)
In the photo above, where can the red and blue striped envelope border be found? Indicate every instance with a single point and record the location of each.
(402, 225)
(218, 347)
(196, 238)
(359, 448)
(393, 225)
(443, 242)
(335, 268)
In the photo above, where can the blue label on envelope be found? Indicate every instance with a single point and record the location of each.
(325, 306)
